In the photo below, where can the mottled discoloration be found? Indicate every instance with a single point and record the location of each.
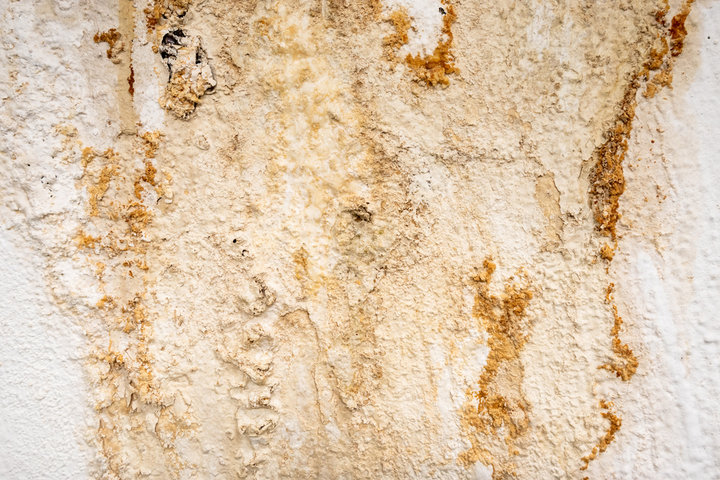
(430, 69)
(130, 403)
(300, 301)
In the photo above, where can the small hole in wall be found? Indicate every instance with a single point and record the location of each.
(442, 10)
(361, 213)
(171, 39)
(169, 47)
(234, 240)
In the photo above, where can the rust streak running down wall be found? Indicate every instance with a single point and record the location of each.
(501, 415)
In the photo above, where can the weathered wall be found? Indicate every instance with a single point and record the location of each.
(359, 239)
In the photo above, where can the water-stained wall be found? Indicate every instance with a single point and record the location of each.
(364, 238)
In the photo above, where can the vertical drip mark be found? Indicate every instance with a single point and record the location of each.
(502, 410)
(608, 184)
(125, 72)
(606, 440)
(130, 404)
(625, 363)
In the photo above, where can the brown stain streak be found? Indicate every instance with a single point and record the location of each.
(123, 221)
(626, 363)
(131, 81)
(606, 440)
(608, 184)
(607, 178)
(118, 39)
(501, 403)
(678, 32)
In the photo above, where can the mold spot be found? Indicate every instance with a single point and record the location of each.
(361, 213)
(131, 81)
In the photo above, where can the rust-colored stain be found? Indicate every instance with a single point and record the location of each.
(137, 217)
(151, 143)
(160, 9)
(626, 363)
(149, 174)
(97, 190)
(148, 177)
(129, 390)
(495, 418)
(432, 69)
(606, 440)
(607, 179)
(131, 81)
(501, 408)
(669, 45)
(607, 252)
(111, 37)
(607, 182)
(678, 32)
(402, 24)
(624, 366)
(83, 240)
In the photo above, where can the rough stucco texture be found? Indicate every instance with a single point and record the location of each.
(359, 239)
